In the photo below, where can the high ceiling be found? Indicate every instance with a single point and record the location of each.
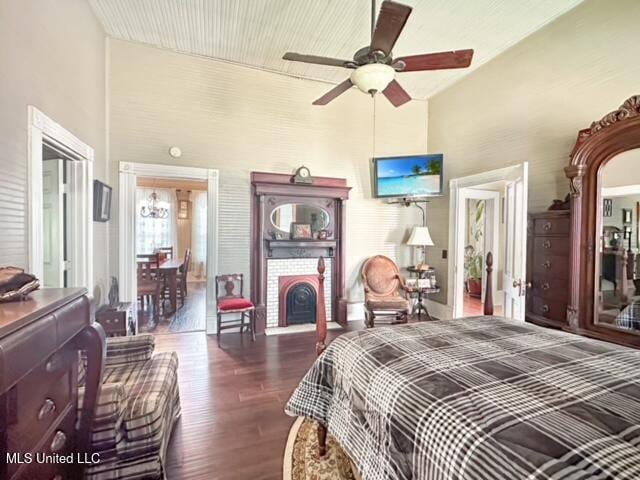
(258, 32)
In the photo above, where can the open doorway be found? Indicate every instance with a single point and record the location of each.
(60, 171)
(171, 222)
(187, 198)
(488, 214)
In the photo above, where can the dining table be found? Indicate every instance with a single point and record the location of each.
(168, 269)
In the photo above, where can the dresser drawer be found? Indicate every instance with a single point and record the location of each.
(556, 266)
(552, 226)
(40, 399)
(59, 440)
(552, 309)
(549, 288)
(551, 245)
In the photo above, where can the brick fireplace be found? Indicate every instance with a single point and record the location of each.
(284, 274)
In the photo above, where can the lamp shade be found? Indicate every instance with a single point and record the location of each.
(373, 77)
(420, 237)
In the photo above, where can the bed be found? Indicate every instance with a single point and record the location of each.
(629, 317)
(477, 398)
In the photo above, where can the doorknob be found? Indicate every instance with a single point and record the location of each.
(522, 286)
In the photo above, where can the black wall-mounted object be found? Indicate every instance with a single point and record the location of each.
(101, 201)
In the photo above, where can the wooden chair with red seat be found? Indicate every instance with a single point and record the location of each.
(232, 303)
(149, 281)
(385, 292)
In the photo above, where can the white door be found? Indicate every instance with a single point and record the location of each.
(53, 222)
(515, 265)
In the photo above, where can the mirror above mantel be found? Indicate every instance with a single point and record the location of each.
(286, 215)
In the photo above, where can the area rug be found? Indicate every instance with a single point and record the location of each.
(301, 460)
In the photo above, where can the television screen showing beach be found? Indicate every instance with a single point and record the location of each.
(409, 176)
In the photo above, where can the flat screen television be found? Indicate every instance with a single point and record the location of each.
(408, 176)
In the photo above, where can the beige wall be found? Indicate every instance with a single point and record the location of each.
(52, 56)
(238, 120)
(529, 103)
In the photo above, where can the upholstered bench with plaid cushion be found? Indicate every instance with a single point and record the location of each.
(136, 410)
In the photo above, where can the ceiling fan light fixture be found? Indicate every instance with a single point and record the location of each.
(373, 78)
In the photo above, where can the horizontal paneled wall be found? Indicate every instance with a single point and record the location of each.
(529, 103)
(52, 56)
(239, 120)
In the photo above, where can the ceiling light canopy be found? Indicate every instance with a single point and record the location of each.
(372, 78)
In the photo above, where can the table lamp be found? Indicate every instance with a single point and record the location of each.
(420, 237)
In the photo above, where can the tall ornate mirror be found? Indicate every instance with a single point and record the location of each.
(618, 280)
(605, 219)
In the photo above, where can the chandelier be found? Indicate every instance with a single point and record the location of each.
(153, 209)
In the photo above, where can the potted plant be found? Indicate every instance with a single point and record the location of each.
(473, 271)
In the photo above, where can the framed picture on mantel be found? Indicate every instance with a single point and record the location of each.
(300, 231)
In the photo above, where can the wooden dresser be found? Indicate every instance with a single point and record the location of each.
(40, 338)
(548, 248)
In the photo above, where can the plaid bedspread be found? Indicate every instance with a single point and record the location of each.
(478, 398)
(630, 316)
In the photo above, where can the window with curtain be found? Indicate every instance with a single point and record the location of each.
(199, 234)
(152, 233)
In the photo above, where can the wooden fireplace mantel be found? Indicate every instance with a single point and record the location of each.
(301, 248)
(268, 192)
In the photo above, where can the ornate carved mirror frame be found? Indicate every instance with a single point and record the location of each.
(615, 133)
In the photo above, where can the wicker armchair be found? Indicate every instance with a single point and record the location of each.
(137, 408)
(385, 291)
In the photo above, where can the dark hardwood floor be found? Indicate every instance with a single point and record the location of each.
(233, 424)
(190, 317)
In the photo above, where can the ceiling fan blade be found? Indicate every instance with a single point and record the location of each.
(436, 61)
(396, 94)
(334, 92)
(391, 21)
(299, 57)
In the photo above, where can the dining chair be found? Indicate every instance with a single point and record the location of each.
(230, 302)
(152, 258)
(183, 273)
(165, 252)
(150, 282)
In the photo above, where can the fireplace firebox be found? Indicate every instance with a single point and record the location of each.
(301, 304)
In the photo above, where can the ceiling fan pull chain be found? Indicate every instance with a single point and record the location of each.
(373, 137)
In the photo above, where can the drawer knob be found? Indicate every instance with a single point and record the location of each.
(546, 244)
(546, 286)
(547, 264)
(545, 309)
(59, 439)
(57, 477)
(47, 408)
(547, 226)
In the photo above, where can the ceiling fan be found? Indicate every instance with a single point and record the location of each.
(374, 67)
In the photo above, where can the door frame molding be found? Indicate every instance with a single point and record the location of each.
(43, 129)
(455, 214)
(128, 172)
